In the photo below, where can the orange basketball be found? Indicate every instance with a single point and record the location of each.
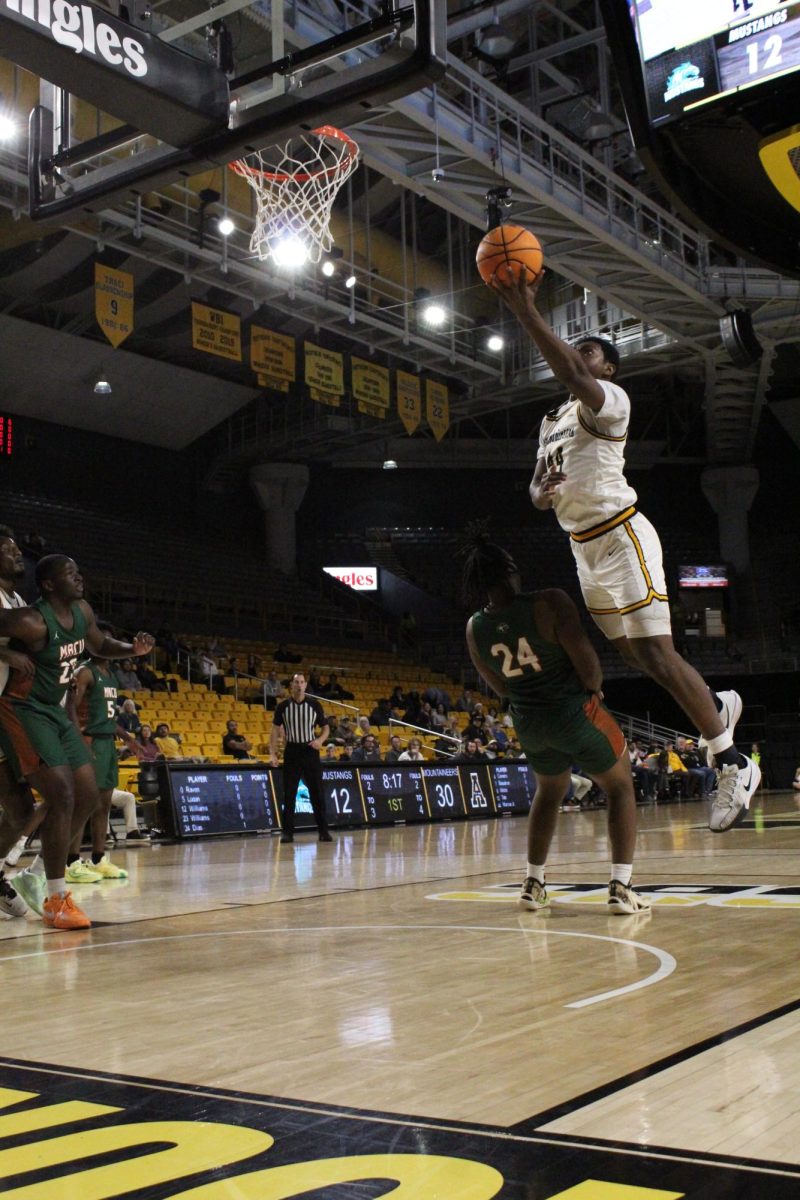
(512, 247)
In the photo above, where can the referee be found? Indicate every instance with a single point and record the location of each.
(298, 718)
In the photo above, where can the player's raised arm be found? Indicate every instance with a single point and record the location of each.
(566, 363)
(567, 630)
(101, 645)
(495, 681)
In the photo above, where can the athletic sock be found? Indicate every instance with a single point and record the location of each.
(730, 757)
(719, 744)
(56, 887)
(537, 873)
(97, 857)
(622, 872)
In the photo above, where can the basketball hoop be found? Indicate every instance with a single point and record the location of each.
(295, 187)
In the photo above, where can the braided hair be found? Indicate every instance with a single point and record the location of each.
(486, 565)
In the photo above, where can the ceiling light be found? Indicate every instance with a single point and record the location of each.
(495, 41)
(350, 282)
(328, 268)
(290, 252)
(8, 127)
(434, 314)
(102, 387)
(390, 465)
(226, 226)
(495, 343)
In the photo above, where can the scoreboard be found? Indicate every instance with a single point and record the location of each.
(696, 51)
(206, 800)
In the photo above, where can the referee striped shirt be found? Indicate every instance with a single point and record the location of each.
(299, 721)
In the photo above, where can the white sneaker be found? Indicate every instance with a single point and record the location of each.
(623, 901)
(533, 894)
(15, 853)
(11, 903)
(729, 715)
(737, 786)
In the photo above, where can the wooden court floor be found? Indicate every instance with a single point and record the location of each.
(376, 1017)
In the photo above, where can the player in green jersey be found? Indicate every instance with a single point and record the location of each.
(93, 706)
(531, 647)
(56, 633)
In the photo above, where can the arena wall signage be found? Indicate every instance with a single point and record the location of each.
(93, 54)
(360, 579)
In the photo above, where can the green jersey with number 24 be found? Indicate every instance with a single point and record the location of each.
(538, 674)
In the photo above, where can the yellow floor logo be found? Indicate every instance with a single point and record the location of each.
(678, 895)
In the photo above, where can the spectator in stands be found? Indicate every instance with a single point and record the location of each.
(413, 706)
(216, 648)
(381, 713)
(329, 754)
(443, 745)
(465, 702)
(363, 727)
(514, 749)
(436, 695)
(395, 750)
(414, 752)
(477, 731)
(148, 678)
(273, 688)
(284, 655)
(342, 729)
(368, 751)
(438, 717)
(687, 784)
(169, 743)
(499, 742)
(471, 752)
(643, 777)
(796, 780)
(209, 671)
(705, 777)
(397, 699)
(127, 678)
(128, 718)
(336, 691)
(315, 685)
(425, 716)
(234, 743)
(144, 745)
(254, 665)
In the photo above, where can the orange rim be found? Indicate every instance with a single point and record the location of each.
(329, 131)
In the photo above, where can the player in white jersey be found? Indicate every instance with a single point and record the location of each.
(580, 475)
(16, 801)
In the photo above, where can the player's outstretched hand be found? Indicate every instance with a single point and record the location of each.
(516, 294)
(142, 644)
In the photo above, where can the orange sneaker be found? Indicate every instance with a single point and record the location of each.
(60, 912)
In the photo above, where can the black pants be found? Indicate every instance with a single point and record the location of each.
(302, 762)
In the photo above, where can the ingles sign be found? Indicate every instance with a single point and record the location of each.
(360, 579)
(121, 69)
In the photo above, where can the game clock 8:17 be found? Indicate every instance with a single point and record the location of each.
(393, 793)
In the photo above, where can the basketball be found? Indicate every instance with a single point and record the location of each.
(513, 247)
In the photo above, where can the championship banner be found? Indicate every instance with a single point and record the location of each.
(273, 357)
(113, 303)
(437, 408)
(324, 374)
(409, 406)
(216, 332)
(370, 387)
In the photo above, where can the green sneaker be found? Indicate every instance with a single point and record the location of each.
(81, 872)
(108, 870)
(32, 888)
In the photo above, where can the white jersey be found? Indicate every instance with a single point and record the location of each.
(7, 601)
(589, 447)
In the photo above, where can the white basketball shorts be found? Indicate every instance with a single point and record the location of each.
(621, 573)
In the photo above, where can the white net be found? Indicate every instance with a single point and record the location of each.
(295, 187)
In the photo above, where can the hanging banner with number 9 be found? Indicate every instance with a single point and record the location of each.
(113, 302)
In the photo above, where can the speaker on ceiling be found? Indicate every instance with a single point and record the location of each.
(739, 339)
